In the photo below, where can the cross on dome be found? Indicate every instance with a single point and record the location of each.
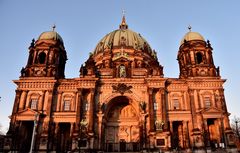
(53, 27)
(189, 28)
(123, 24)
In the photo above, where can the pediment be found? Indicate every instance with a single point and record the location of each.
(211, 110)
(26, 114)
(27, 111)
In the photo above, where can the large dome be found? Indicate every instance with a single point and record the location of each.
(123, 37)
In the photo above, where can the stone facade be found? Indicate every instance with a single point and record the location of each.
(121, 101)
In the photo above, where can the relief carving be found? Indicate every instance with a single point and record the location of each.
(121, 88)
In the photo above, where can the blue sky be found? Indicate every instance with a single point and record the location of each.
(83, 23)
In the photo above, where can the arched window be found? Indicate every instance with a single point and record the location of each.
(199, 57)
(176, 104)
(66, 105)
(34, 103)
(207, 101)
(41, 58)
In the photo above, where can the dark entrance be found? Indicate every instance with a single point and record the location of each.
(63, 141)
(25, 136)
(122, 145)
(177, 135)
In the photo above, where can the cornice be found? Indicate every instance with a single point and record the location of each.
(35, 84)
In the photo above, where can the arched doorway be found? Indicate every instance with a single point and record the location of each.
(122, 126)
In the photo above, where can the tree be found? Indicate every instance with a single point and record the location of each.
(236, 126)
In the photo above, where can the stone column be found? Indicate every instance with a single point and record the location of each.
(45, 101)
(22, 100)
(160, 105)
(193, 111)
(164, 109)
(171, 127)
(91, 119)
(78, 108)
(100, 117)
(144, 137)
(151, 111)
(41, 101)
(59, 100)
(91, 109)
(185, 135)
(15, 109)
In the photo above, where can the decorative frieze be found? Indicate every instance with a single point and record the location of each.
(205, 84)
(35, 84)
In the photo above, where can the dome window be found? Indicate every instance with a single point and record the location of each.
(199, 58)
(41, 58)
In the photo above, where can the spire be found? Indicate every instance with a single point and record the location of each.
(123, 24)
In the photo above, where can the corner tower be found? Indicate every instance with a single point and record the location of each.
(47, 57)
(195, 57)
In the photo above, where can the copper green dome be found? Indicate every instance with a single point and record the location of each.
(123, 37)
(50, 35)
(192, 36)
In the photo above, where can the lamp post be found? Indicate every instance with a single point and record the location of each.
(34, 132)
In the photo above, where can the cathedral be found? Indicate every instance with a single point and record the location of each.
(121, 101)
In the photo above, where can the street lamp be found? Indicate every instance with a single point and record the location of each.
(34, 131)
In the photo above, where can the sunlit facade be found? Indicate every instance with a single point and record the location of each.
(121, 100)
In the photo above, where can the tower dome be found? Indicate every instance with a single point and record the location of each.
(192, 36)
(51, 35)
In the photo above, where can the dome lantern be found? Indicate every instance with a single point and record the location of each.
(123, 24)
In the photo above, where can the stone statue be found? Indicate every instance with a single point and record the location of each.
(143, 105)
(122, 71)
(23, 72)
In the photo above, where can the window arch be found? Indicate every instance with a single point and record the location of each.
(67, 102)
(66, 105)
(207, 101)
(41, 58)
(199, 58)
(34, 101)
(176, 103)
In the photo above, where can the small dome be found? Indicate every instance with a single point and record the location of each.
(192, 36)
(50, 35)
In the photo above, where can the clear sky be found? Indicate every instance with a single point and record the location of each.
(82, 24)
